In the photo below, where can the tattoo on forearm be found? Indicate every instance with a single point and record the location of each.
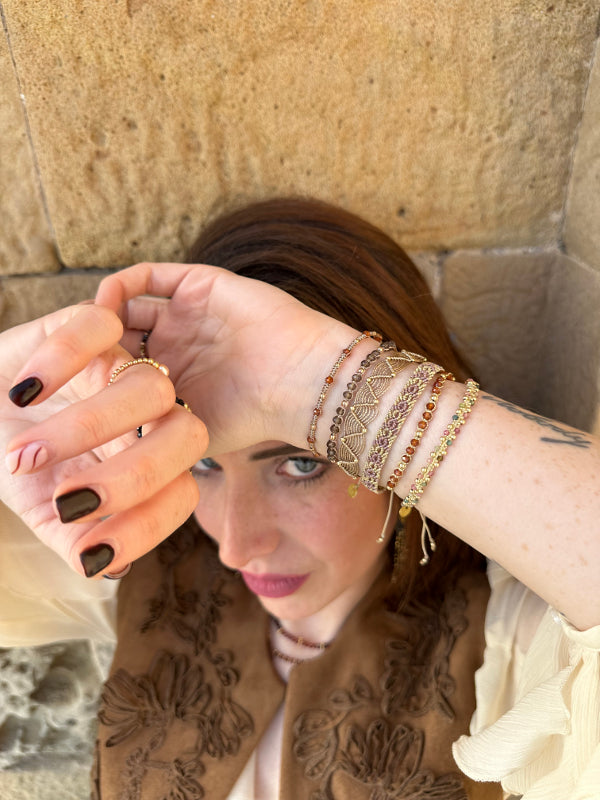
(567, 436)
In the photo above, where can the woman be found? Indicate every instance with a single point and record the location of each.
(378, 652)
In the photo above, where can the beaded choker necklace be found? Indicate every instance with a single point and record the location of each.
(298, 640)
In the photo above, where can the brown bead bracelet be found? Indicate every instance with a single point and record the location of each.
(318, 409)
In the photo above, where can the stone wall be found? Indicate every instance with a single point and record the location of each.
(126, 124)
(468, 131)
(459, 128)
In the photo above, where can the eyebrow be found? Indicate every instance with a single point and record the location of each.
(283, 450)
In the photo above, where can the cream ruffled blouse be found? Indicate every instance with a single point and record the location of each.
(537, 724)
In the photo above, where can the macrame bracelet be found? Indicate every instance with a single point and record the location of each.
(134, 361)
(422, 426)
(348, 394)
(318, 409)
(365, 408)
(393, 423)
(437, 456)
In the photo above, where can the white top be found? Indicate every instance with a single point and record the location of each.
(537, 724)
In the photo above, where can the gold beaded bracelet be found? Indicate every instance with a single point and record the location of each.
(449, 435)
(393, 423)
(422, 426)
(318, 409)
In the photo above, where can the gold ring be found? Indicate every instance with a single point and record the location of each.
(150, 361)
(116, 576)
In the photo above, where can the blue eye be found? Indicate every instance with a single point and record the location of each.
(204, 466)
(302, 469)
(304, 465)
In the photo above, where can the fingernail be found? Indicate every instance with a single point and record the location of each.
(95, 559)
(30, 457)
(76, 504)
(23, 393)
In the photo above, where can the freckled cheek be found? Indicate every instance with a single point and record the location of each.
(331, 535)
(361, 527)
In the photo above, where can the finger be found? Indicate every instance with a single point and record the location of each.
(160, 280)
(115, 542)
(140, 316)
(135, 474)
(144, 312)
(61, 352)
(138, 396)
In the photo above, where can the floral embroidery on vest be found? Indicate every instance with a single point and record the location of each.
(182, 713)
(417, 677)
(175, 692)
(385, 755)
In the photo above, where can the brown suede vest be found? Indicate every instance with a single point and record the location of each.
(193, 688)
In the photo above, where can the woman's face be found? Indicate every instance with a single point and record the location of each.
(285, 520)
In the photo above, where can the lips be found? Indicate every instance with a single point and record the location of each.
(273, 585)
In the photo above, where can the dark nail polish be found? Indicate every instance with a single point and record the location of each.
(23, 393)
(96, 558)
(76, 504)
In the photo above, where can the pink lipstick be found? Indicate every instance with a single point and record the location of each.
(273, 585)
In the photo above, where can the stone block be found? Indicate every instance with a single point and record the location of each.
(569, 375)
(25, 241)
(48, 706)
(449, 125)
(71, 784)
(430, 267)
(496, 304)
(582, 223)
(24, 299)
(529, 325)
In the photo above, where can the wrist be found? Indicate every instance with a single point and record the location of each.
(300, 392)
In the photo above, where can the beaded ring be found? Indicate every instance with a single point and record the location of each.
(318, 409)
(152, 363)
(437, 456)
(134, 361)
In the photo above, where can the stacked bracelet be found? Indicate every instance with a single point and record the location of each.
(318, 409)
(360, 406)
(365, 408)
(348, 395)
(393, 423)
(437, 456)
(422, 426)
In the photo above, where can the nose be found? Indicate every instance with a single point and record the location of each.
(249, 529)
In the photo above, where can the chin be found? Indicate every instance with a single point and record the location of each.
(286, 608)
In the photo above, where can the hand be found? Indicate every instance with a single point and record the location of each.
(79, 433)
(248, 358)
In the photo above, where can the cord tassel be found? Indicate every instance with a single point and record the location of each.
(426, 539)
(381, 537)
